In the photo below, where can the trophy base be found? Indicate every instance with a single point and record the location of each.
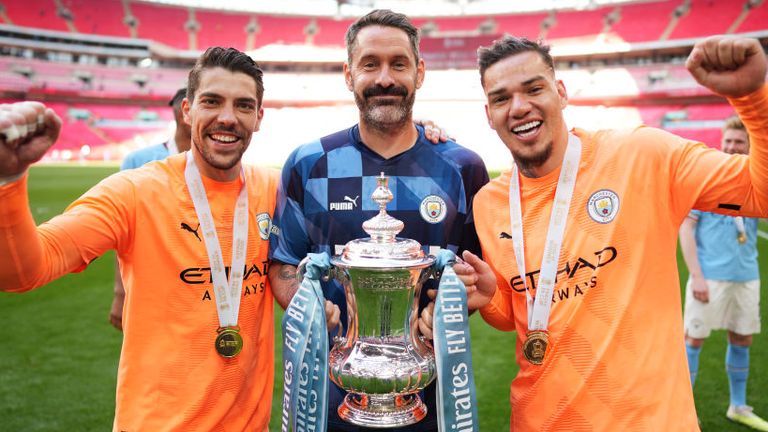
(382, 411)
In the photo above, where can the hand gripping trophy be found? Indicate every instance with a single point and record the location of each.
(383, 361)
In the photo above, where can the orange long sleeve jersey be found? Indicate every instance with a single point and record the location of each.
(616, 358)
(170, 376)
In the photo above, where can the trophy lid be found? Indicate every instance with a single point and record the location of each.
(383, 249)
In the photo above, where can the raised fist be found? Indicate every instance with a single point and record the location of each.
(729, 66)
(27, 130)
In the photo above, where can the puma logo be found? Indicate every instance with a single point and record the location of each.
(504, 235)
(353, 201)
(347, 204)
(186, 227)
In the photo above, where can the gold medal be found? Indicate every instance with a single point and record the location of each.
(229, 343)
(742, 238)
(535, 347)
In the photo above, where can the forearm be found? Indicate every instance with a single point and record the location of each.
(689, 250)
(498, 312)
(753, 111)
(31, 256)
(282, 279)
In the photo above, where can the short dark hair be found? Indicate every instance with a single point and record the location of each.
(178, 97)
(384, 18)
(508, 46)
(229, 59)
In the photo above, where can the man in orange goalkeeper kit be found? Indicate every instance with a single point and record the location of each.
(191, 236)
(581, 236)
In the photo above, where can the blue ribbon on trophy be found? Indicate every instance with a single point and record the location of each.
(456, 401)
(305, 353)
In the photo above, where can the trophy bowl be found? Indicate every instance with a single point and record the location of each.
(382, 362)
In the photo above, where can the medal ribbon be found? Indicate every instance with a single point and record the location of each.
(538, 310)
(226, 293)
(456, 401)
(739, 222)
(305, 352)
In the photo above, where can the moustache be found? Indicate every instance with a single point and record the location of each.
(385, 91)
(231, 130)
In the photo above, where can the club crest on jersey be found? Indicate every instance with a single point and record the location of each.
(603, 206)
(347, 204)
(433, 209)
(264, 222)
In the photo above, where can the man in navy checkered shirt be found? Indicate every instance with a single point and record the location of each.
(326, 185)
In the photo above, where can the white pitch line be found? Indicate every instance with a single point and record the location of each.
(762, 234)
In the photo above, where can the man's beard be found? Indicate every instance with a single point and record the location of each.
(225, 162)
(528, 162)
(385, 115)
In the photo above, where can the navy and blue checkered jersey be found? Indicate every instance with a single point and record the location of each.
(326, 186)
(325, 196)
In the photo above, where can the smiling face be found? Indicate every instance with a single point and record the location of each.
(524, 107)
(223, 116)
(383, 74)
(735, 141)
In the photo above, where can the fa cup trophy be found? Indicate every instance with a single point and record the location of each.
(382, 362)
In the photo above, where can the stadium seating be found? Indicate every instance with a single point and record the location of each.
(106, 19)
(706, 17)
(527, 25)
(162, 24)
(756, 19)
(644, 22)
(35, 14)
(570, 24)
(331, 31)
(221, 29)
(283, 30)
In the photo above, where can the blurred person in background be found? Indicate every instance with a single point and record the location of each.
(723, 289)
(178, 143)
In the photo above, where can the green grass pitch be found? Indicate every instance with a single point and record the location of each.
(58, 353)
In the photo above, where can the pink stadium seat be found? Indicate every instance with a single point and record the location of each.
(578, 23)
(104, 18)
(35, 13)
(756, 20)
(527, 25)
(644, 22)
(709, 112)
(162, 24)
(711, 136)
(707, 17)
(331, 32)
(285, 30)
(221, 29)
(459, 24)
(75, 134)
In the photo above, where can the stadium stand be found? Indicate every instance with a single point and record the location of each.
(756, 19)
(643, 22)
(528, 25)
(221, 29)
(706, 17)
(106, 19)
(577, 23)
(162, 24)
(111, 104)
(34, 13)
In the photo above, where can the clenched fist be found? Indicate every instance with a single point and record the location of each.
(729, 66)
(27, 130)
